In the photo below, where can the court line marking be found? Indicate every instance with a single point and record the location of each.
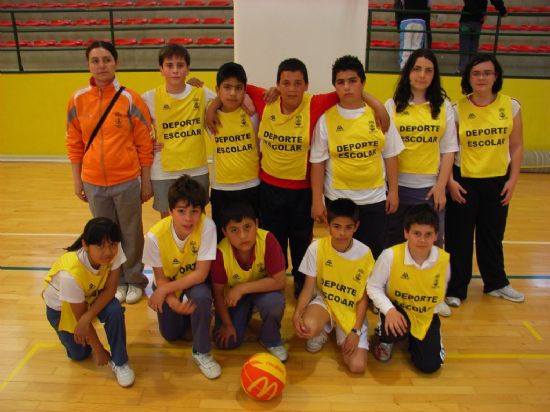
(532, 329)
(41, 346)
(512, 242)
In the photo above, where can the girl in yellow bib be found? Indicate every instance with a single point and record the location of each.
(407, 283)
(484, 176)
(425, 121)
(334, 296)
(81, 286)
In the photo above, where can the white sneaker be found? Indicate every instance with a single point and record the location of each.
(452, 301)
(278, 351)
(443, 309)
(208, 365)
(134, 294)
(121, 292)
(508, 293)
(124, 374)
(315, 344)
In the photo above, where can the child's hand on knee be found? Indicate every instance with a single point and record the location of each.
(395, 323)
(101, 356)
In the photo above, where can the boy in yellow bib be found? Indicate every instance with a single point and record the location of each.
(407, 283)
(236, 161)
(177, 110)
(334, 296)
(249, 272)
(81, 286)
(180, 249)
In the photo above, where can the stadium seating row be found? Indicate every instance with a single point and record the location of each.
(517, 48)
(99, 4)
(452, 25)
(446, 7)
(103, 22)
(147, 41)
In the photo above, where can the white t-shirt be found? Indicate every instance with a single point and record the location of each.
(156, 168)
(320, 153)
(378, 281)
(447, 144)
(64, 288)
(207, 249)
(254, 119)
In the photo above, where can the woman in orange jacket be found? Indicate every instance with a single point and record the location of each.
(111, 171)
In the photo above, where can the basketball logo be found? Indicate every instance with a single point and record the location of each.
(263, 376)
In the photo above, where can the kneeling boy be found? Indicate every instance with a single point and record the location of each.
(249, 272)
(180, 248)
(334, 297)
(407, 283)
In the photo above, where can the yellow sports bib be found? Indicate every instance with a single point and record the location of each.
(177, 263)
(421, 135)
(180, 128)
(355, 147)
(285, 140)
(91, 285)
(341, 282)
(236, 274)
(417, 291)
(235, 149)
(483, 135)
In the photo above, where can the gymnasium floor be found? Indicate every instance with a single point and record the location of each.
(498, 352)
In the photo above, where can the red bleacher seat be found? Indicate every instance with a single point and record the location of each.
(181, 40)
(543, 49)
(213, 20)
(106, 22)
(450, 25)
(33, 23)
(513, 9)
(208, 40)
(134, 21)
(387, 6)
(194, 3)
(151, 41)
(486, 47)
(446, 7)
(5, 23)
(522, 48)
(229, 40)
(49, 5)
(379, 22)
(169, 3)
(161, 20)
(70, 43)
(75, 5)
(443, 45)
(392, 23)
(381, 43)
(541, 9)
(88, 42)
(98, 4)
(85, 22)
(509, 27)
(60, 22)
(145, 3)
(489, 27)
(374, 5)
(187, 20)
(122, 4)
(219, 3)
(43, 43)
(231, 20)
(125, 42)
(11, 43)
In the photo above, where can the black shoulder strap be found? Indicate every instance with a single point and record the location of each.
(105, 113)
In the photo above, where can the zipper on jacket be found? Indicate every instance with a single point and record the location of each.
(102, 148)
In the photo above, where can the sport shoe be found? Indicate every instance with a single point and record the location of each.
(124, 374)
(315, 344)
(134, 294)
(508, 293)
(121, 292)
(443, 309)
(382, 351)
(452, 301)
(277, 351)
(208, 365)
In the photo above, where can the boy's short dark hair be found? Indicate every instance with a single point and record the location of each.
(342, 208)
(188, 190)
(173, 49)
(348, 63)
(228, 70)
(236, 212)
(422, 214)
(292, 65)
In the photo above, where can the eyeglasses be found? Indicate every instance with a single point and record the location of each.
(486, 73)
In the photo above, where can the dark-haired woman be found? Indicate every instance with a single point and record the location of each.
(485, 174)
(112, 173)
(81, 286)
(425, 120)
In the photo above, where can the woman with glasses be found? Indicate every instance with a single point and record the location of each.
(484, 176)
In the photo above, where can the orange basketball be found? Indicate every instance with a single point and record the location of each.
(263, 376)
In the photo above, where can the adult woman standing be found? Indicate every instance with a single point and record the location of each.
(484, 177)
(425, 121)
(110, 148)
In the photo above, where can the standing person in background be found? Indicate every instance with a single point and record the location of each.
(111, 164)
(425, 120)
(471, 21)
(490, 132)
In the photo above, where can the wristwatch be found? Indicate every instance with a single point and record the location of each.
(357, 332)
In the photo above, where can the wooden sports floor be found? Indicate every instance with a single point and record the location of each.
(498, 352)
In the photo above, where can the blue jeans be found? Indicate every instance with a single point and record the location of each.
(270, 305)
(468, 42)
(172, 325)
(112, 317)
